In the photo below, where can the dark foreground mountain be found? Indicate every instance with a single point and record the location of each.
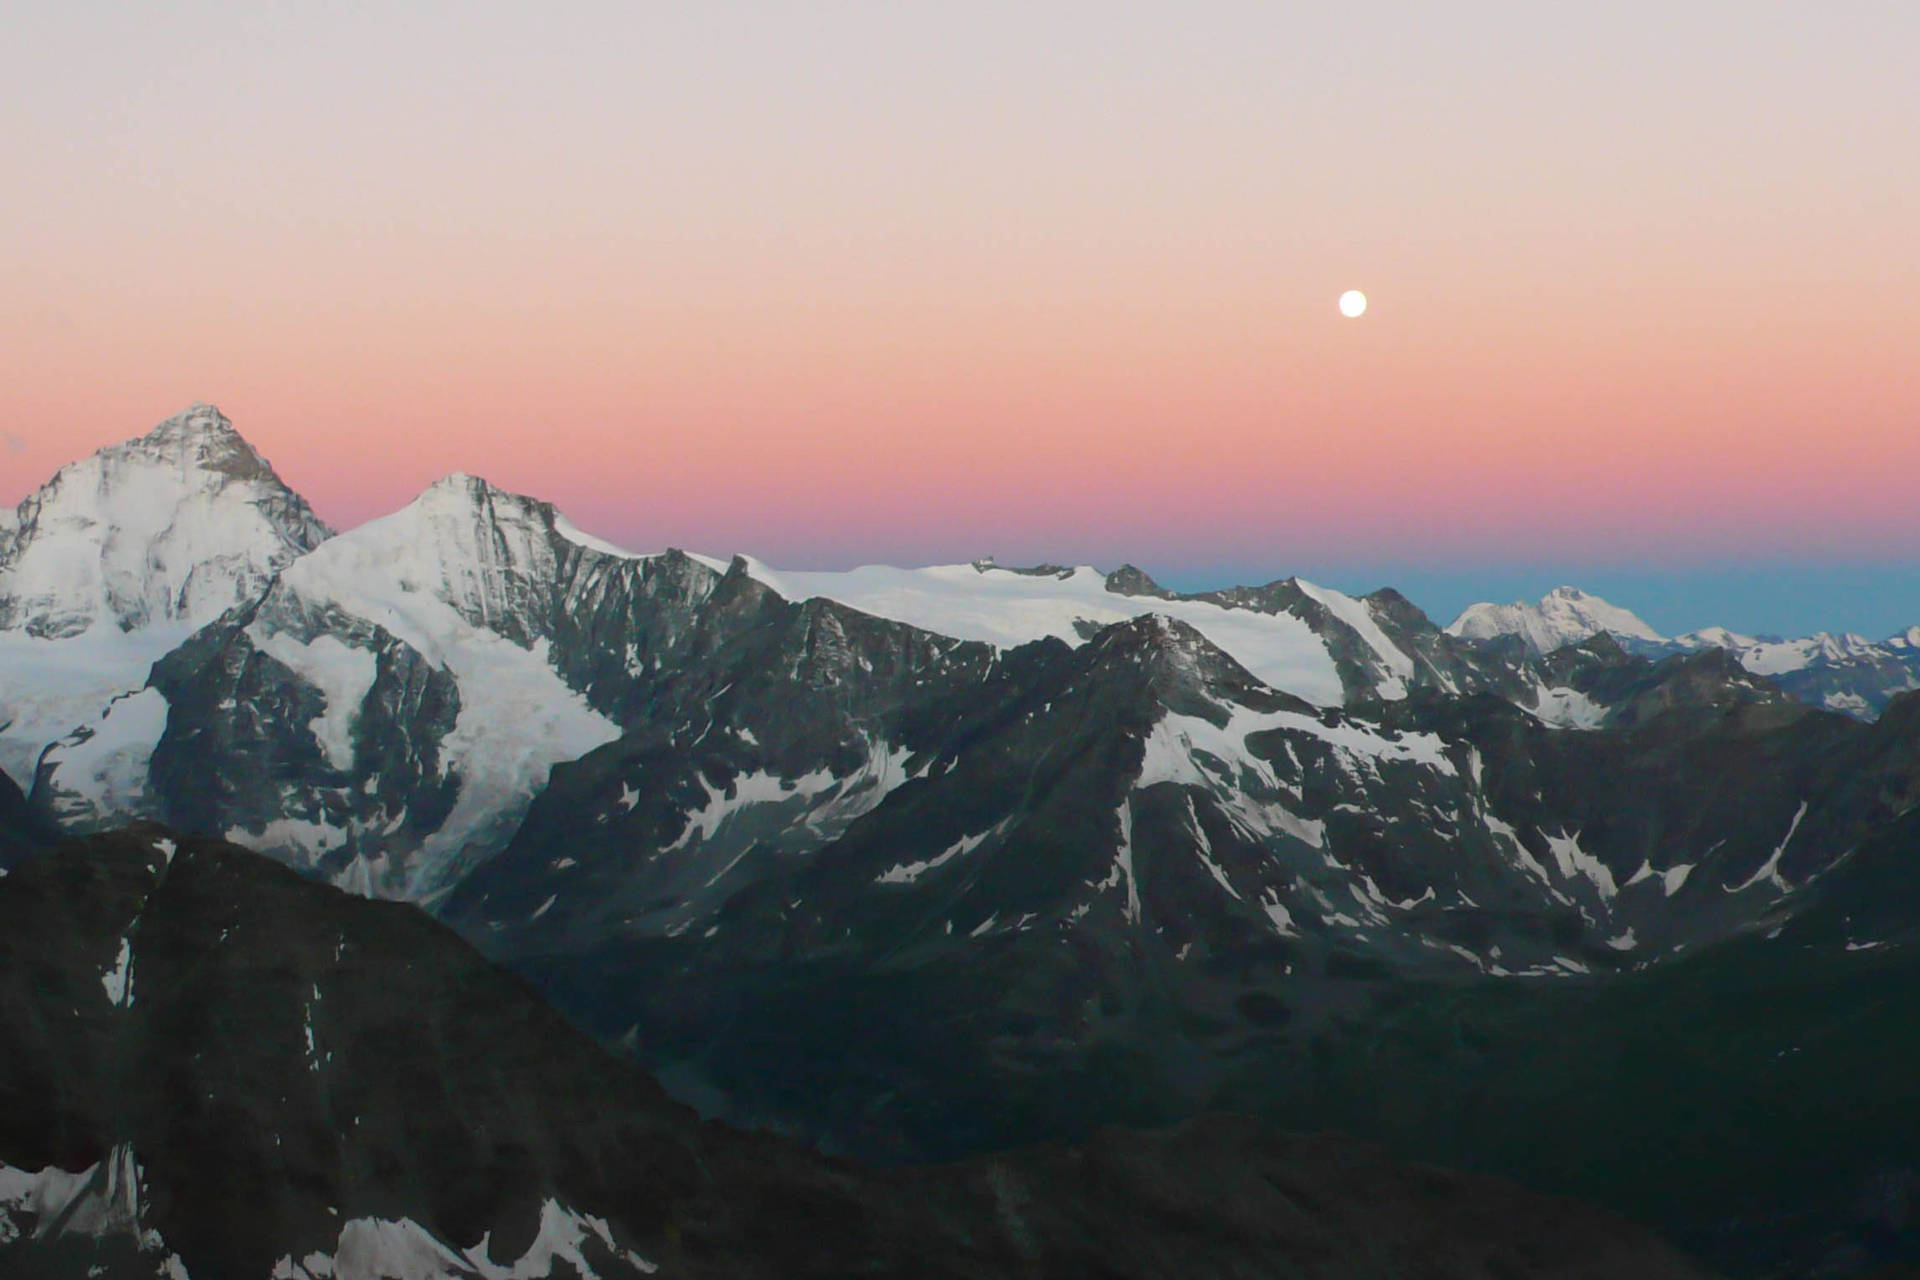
(210, 1067)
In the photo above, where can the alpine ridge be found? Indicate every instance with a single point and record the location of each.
(1845, 673)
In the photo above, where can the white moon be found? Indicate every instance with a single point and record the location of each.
(1353, 304)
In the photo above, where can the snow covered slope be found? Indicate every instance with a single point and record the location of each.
(414, 659)
(116, 560)
(1008, 607)
(1565, 615)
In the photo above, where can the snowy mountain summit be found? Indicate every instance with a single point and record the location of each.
(180, 524)
(1564, 616)
(113, 563)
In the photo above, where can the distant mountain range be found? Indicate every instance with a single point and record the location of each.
(920, 863)
(1846, 673)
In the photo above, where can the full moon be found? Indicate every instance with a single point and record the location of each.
(1352, 304)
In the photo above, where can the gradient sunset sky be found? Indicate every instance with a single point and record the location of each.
(844, 283)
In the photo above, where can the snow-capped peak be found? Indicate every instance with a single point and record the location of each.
(494, 557)
(177, 525)
(1565, 615)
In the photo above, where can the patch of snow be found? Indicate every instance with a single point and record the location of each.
(758, 787)
(503, 685)
(1277, 913)
(313, 1054)
(1523, 858)
(1560, 707)
(117, 976)
(830, 803)
(1398, 904)
(1123, 861)
(344, 675)
(1770, 869)
(361, 874)
(379, 1249)
(581, 538)
(1194, 751)
(103, 1199)
(309, 841)
(1675, 876)
(912, 871)
(1573, 860)
(101, 767)
(1203, 849)
(50, 687)
(562, 1232)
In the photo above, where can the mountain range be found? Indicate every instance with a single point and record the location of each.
(1843, 672)
(918, 864)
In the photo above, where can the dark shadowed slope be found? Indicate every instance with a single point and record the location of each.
(211, 1067)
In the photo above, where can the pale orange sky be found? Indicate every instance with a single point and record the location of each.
(838, 283)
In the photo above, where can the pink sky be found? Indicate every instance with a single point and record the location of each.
(841, 283)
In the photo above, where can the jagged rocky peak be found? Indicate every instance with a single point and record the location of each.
(483, 550)
(463, 510)
(1388, 604)
(200, 427)
(177, 525)
(1565, 615)
(1128, 580)
(1177, 658)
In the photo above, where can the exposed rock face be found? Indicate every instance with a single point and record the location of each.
(23, 832)
(212, 1067)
